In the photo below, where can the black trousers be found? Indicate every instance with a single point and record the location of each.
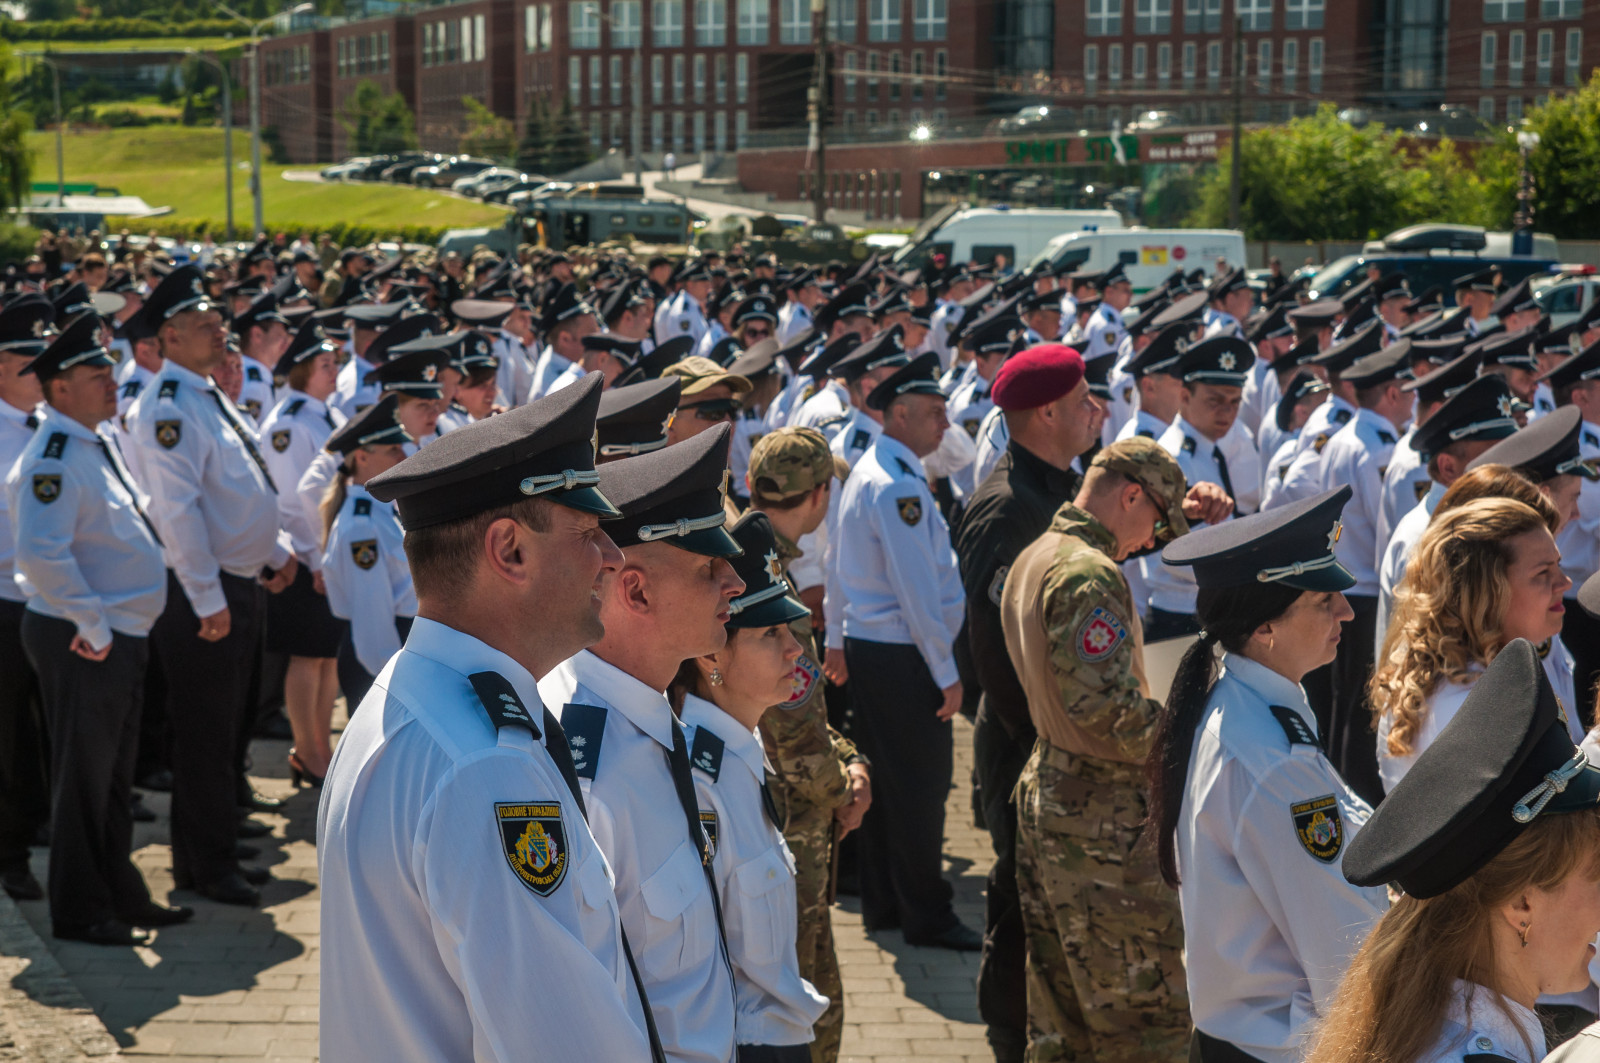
(1002, 990)
(895, 703)
(24, 749)
(1168, 625)
(1352, 743)
(355, 680)
(774, 1054)
(93, 709)
(208, 687)
(1580, 632)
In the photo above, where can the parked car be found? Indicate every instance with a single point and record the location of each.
(479, 183)
(504, 193)
(346, 170)
(523, 201)
(1038, 118)
(444, 173)
(400, 172)
(1567, 296)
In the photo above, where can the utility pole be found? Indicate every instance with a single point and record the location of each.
(1236, 149)
(819, 114)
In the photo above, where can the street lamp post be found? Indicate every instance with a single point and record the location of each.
(61, 180)
(227, 131)
(1522, 223)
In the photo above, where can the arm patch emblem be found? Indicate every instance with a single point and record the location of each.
(168, 433)
(910, 510)
(280, 440)
(1099, 635)
(801, 681)
(997, 586)
(535, 843)
(1319, 828)
(364, 552)
(47, 487)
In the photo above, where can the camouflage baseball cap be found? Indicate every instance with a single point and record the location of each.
(700, 373)
(791, 461)
(1144, 462)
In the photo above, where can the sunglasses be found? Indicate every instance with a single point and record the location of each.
(1161, 525)
(714, 409)
(752, 333)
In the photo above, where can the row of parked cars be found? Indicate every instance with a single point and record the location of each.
(467, 175)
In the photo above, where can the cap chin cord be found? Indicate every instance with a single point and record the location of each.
(1554, 783)
(1299, 568)
(681, 527)
(565, 480)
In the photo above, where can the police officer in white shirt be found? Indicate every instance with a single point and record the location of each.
(1406, 480)
(1106, 328)
(828, 407)
(215, 507)
(684, 314)
(460, 882)
(1304, 477)
(803, 293)
(90, 563)
(724, 696)
(903, 606)
(367, 323)
(264, 335)
(1576, 383)
(667, 603)
(1356, 456)
(1231, 300)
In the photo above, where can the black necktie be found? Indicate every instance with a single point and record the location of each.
(116, 469)
(770, 805)
(683, 781)
(328, 417)
(555, 740)
(246, 436)
(1227, 481)
(32, 422)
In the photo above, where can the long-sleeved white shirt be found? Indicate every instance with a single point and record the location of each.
(369, 583)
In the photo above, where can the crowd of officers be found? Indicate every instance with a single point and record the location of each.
(648, 583)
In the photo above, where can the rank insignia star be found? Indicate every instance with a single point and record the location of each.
(1227, 361)
(1505, 406)
(1333, 536)
(774, 569)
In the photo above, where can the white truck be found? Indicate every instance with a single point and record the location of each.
(981, 234)
(1148, 256)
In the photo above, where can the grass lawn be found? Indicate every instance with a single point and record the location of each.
(142, 44)
(181, 167)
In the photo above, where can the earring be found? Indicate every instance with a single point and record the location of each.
(1524, 935)
(716, 681)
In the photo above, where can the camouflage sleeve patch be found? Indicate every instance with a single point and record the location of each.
(1099, 635)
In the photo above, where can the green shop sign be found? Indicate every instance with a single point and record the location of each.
(1048, 152)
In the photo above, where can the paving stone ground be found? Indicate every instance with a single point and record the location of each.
(238, 983)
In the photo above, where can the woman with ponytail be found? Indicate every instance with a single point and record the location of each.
(1250, 816)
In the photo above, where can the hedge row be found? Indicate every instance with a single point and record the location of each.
(111, 29)
(343, 234)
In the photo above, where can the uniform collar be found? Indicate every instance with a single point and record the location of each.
(1050, 478)
(1271, 687)
(646, 709)
(1081, 524)
(466, 654)
(56, 421)
(892, 448)
(182, 374)
(1473, 1008)
(1376, 420)
(1192, 432)
(9, 412)
(311, 405)
(746, 745)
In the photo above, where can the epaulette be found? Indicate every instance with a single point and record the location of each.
(130, 390)
(363, 507)
(1385, 438)
(1590, 440)
(706, 753)
(1146, 433)
(830, 422)
(294, 407)
(501, 702)
(55, 444)
(585, 726)
(1188, 444)
(1342, 417)
(1294, 727)
(861, 440)
(904, 467)
(169, 390)
(252, 373)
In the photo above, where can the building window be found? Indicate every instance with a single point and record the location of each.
(741, 129)
(344, 52)
(627, 27)
(583, 22)
(1513, 110)
(479, 38)
(700, 79)
(616, 129)
(883, 20)
(1189, 57)
(719, 132)
(427, 44)
(667, 19)
(1164, 64)
(872, 75)
(1486, 60)
(1515, 49)
(1213, 65)
(872, 120)
(1547, 47)
(941, 68)
(894, 71)
(658, 131)
(594, 128)
(1303, 14)
(1560, 8)
(843, 16)
(849, 122)
(741, 78)
(1291, 63)
(1263, 66)
(1139, 60)
(466, 40)
(575, 80)
(530, 28)
(678, 70)
(1152, 16)
(1574, 55)
(699, 131)
(852, 63)
(932, 19)
(893, 118)
(1314, 66)
(1486, 108)
(1114, 65)
(594, 81)
(1202, 16)
(710, 22)
(1104, 18)
(1504, 10)
(383, 51)
(754, 21)
(658, 77)
(794, 22)
(616, 80)
(677, 130)
(547, 27)
(720, 78)
(1255, 16)
(918, 69)
(1091, 67)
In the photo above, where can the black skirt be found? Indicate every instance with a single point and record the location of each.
(299, 622)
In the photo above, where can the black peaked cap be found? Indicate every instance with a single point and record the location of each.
(373, 426)
(78, 344)
(633, 419)
(1292, 545)
(920, 376)
(1547, 448)
(1484, 408)
(766, 600)
(674, 495)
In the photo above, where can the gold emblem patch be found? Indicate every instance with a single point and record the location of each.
(535, 844)
(1317, 825)
(168, 433)
(364, 552)
(280, 440)
(910, 510)
(47, 487)
(1320, 441)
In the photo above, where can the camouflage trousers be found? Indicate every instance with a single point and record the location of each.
(1105, 973)
(810, 838)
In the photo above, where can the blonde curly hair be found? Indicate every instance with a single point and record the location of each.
(1448, 607)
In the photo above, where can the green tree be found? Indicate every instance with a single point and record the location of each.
(378, 123)
(488, 135)
(15, 122)
(1564, 165)
(533, 150)
(569, 143)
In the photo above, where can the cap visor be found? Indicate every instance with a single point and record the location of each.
(711, 542)
(1333, 578)
(1177, 524)
(1583, 791)
(780, 610)
(586, 500)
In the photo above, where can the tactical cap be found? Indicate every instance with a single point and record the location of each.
(1144, 462)
(699, 373)
(790, 462)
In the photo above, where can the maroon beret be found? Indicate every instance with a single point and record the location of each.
(1037, 376)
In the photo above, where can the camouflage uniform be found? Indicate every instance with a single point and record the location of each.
(1105, 977)
(808, 756)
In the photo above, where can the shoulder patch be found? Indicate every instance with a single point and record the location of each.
(168, 433)
(363, 507)
(47, 486)
(997, 585)
(1342, 417)
(861, 440)
(499, 697)
(1421, 488)
(294, 407)
(253, 407)
(169, 389)
(971, 425)
(706, 753)
(1319, 442)
(1188, 444)
(280, 440)
(364, 552)
(1294, 727)
(585, 726)
(708, 823)
(1317, 825)
(801, 682)
(910, 510)
(1099, 635)
(55, 445)
(535, 842)
(1590, 439)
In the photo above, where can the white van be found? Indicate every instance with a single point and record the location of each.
(979, 234)
(1148, 256)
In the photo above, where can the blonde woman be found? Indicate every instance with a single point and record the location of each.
(1494, 840)
(1485, 573)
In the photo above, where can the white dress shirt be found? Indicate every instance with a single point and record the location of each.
(755, 878)
(352, 393)
(1357, 455)
(1476, 1026)
(826, 410)
(293, 434)
(434, 946)
(369, 583)
(16, 430)
(210, 498)
(1397, 554)
(850, 440)
(545, 371)
(680, 316)
(1269, 927)
(1304, 478)
(993, 437)
(793, 319)
(515, 374)
(1580, 539)
(1172, 587)
(258, 395)
(1105, 331)
(84, 552)
(1404, 484)
(634, 811)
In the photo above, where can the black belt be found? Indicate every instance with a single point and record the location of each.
(1203, 1048)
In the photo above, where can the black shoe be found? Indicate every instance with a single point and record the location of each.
(241, 851)
(154, 913)
(139, 812)
(21, 885)
(256, 876)
(250, 801)
(274, 725)
(159, 780)
(105, 932)
(41, 837)
(959, 938)
(873, 926)
(251, 828)
(231, 889)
